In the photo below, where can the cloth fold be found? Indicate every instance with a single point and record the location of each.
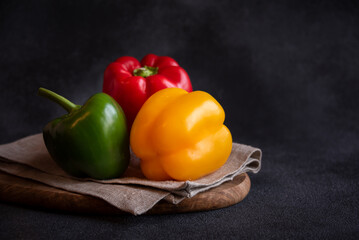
(28, 158)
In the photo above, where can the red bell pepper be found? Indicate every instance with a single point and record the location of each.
(131, 82)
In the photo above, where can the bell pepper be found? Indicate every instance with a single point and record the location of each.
(131, 82)
(91, 140)
(180, 135)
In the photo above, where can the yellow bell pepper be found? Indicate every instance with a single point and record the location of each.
(180, 135)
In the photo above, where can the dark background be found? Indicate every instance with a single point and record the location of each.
(286, 73)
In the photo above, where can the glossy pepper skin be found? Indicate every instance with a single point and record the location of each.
(91, 140)
(131, 82)
(180, 135)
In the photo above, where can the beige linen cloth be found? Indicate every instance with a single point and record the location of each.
(28, 158)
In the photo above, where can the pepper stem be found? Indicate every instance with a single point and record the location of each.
(145, 71)
(63, 102)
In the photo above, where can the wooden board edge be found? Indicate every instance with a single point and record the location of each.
(34, 194)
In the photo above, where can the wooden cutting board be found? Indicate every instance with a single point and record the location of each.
(34, 194)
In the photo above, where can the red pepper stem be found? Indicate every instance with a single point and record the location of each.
(63, 102)
(145, 71)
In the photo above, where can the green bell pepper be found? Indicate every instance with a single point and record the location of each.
(91, 140)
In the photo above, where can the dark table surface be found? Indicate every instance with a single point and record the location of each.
(286, 73)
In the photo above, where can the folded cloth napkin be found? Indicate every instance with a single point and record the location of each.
(133, 193)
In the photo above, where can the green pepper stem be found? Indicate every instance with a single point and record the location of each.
(63, 102)
(145, 71)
